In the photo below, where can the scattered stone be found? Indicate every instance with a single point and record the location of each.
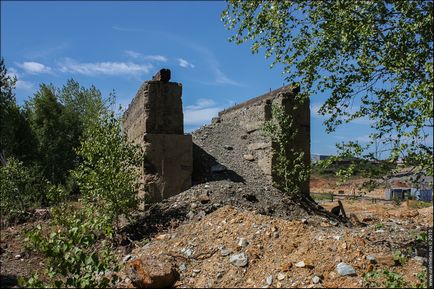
(286, 266)
(126, 258)
(225, 252)
(218, 168)
(371, 259)
(228, 147)
(182, 267)
(249, 157)
(219, 274)
(316, 279)
(188, 252)
(190, 215)
(239, 260)
(300, 264)
(269, 280)
(380, 231)
(333, 223)
(203, 198)
(304, 221)
(281, 276)
(196, 271)
(18, 256)
(345, 270)
(243, 242)
(152, 272)
(419, 259)
(276, 235)
(201, 214)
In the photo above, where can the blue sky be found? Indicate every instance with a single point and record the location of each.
(118, 45)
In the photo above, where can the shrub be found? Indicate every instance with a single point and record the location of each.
(21, 189)
(108, 173)
(78, 256)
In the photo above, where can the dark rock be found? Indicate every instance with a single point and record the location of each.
(162, 75)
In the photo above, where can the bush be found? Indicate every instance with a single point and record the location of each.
(21, 189)
(77, 253)
(108, 173)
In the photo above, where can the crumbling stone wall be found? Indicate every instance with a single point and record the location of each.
(251, 115)
(155, 119)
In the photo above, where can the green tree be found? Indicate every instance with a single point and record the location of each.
(86, 102)
(108, 173)
(16, 138)
(21, 189)
(8, 113)
(57, 131)
(377, 55)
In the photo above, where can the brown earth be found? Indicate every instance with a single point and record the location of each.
(275, 245)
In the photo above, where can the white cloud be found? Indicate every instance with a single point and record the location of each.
(160, 58)
(221, 78)
(34, 67)
(138, 55)
(104, 68)
(20, 84)
(184, 63)
(201, 112)
(24, 85)
(132, 54)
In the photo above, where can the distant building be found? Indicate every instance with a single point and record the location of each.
(402, 188)
(314, 158)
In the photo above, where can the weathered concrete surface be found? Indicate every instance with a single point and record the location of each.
(168, 156)
(157, 108)
(250, 117)
(154, 119)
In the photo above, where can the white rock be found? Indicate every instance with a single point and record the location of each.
(316, 279)
(243, 242)
(249, 157)
(239, 260)
(345, 270)
(126, 258)
(371, 259)
(269, 280)
(281, 276)
(300, 264)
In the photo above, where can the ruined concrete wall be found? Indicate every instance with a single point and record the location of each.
(155, 119)
(251, 115)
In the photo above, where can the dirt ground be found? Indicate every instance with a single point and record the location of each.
(275, 245)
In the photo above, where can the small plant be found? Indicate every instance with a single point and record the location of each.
(422, 278)
(383, 278)
(290, 168)
(21, 190)
(399, 258)
(393, 280)
(77, 253)
(379, 226)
